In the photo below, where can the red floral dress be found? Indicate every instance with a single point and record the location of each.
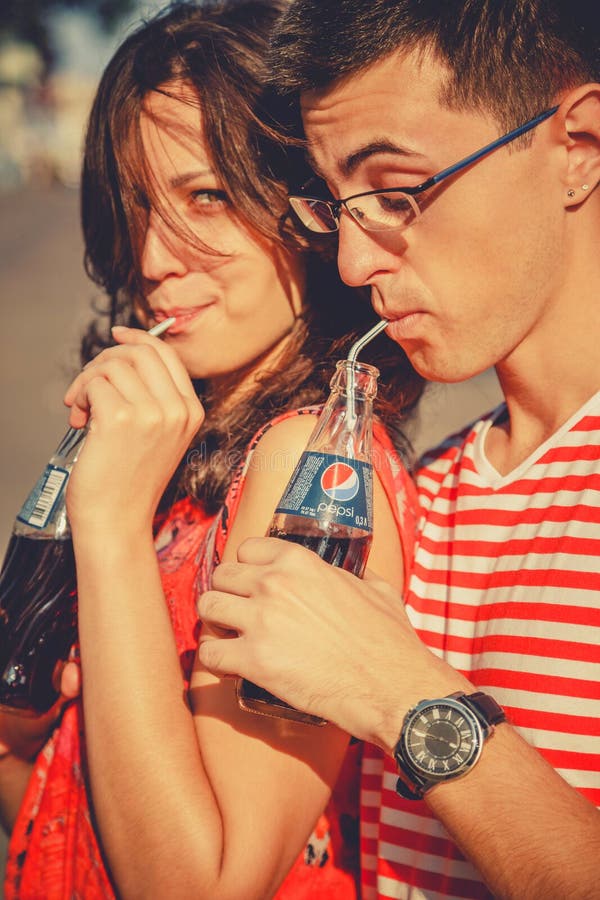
(54, 853)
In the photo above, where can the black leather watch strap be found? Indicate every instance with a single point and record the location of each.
(490, 711)
(409, 793)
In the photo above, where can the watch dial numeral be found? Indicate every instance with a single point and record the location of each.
(440, 741)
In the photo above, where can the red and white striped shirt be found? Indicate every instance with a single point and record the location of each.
(505, 586)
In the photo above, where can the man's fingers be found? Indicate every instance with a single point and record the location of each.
(234, 578)
(223, 611)
(219, 656)
(260, 551)
(374, 579)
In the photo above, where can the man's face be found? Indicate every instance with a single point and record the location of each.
(480, 271)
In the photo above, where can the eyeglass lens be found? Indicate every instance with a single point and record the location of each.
(376, 212)
(316, 215)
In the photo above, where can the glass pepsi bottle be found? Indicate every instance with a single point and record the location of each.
(38, 589)
(327, 505)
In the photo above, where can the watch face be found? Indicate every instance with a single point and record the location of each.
(442, 738)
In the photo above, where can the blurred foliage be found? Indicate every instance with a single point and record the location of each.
(27, 20)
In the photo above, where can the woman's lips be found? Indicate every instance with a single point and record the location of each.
(183, 317)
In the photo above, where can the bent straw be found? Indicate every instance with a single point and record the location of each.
(366, 339)
(351, 359)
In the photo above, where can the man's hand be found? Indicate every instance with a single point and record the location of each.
(320, 639)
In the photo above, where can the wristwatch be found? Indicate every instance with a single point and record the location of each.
(443, 739)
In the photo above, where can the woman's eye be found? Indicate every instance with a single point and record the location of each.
(209, 199)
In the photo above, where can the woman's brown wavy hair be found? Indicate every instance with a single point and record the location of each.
(220, 48)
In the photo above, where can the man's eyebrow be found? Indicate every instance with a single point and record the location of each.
(179, 180)
(350, 164)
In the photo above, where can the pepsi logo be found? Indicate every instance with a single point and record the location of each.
(340, 481)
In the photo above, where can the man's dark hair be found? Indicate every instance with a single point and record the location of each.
(510, 57)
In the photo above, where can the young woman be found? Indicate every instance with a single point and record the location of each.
(165, 788)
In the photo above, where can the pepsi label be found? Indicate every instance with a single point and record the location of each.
(331, 487)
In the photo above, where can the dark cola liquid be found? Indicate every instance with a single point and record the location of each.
(38, 620)
(343, 552)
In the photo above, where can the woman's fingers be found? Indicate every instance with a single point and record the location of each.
(70, 680)
(136, 338)
(127, 385)
(146, 376)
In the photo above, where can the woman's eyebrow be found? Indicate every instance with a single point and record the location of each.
(179, 180)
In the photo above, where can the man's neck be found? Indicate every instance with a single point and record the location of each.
(517, 436)
(552, 373)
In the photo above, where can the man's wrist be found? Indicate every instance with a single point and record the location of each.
(390, 719)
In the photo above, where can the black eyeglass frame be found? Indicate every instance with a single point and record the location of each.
(335, 206)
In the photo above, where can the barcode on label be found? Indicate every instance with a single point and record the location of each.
(40, 503)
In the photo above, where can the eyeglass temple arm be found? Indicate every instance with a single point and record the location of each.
(505, 139)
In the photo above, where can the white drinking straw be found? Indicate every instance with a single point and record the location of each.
(161, 327)
(366, 339)
(352, 356)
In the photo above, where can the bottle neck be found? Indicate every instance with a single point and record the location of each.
(345, 426)
(43, 516)
(355, 380)
(70, 446)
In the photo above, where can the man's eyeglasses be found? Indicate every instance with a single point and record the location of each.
(394, 208)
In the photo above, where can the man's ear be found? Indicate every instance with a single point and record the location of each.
(580, 115)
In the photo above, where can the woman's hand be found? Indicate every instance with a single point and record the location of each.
(24, 736)
(142, 412)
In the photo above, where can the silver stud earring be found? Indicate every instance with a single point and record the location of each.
(571, 193)
(585, 187)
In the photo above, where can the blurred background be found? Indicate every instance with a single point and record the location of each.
(51, 55)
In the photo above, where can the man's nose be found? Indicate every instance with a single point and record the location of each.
(363, 255)
(163, 253)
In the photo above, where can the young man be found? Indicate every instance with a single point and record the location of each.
(493, 261)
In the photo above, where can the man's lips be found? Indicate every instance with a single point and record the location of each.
(405, 326)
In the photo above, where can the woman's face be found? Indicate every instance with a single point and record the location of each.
(233, 307)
